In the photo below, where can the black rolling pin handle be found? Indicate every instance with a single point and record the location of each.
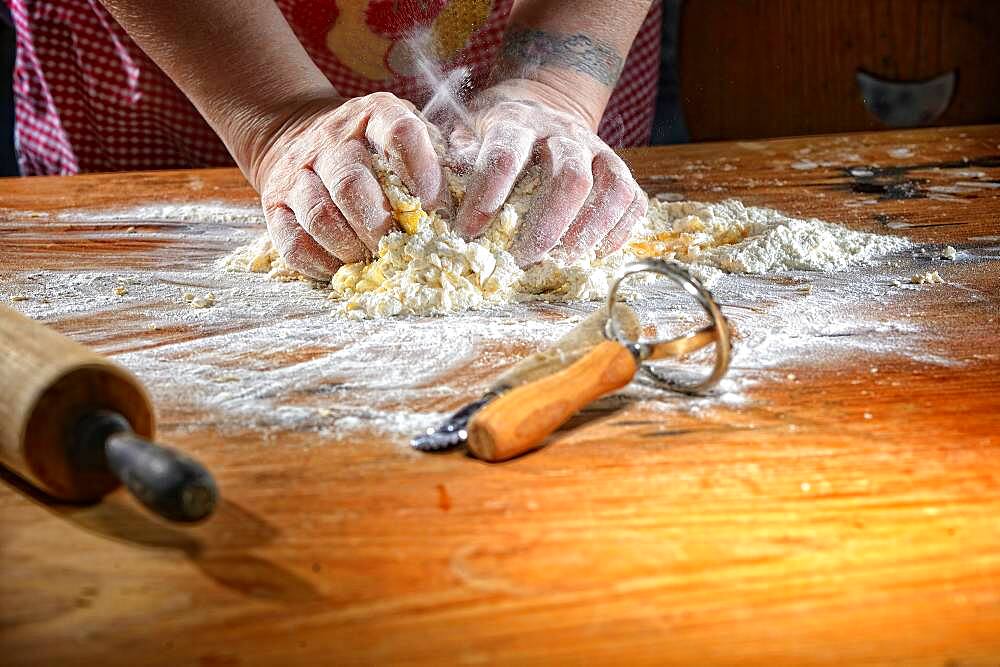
(166, 481)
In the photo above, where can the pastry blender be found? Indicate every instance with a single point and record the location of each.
(602, 354)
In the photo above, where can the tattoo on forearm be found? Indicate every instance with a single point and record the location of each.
(526, 49)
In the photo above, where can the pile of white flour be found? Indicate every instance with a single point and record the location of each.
(427, 269)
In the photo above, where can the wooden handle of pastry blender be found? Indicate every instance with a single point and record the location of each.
(521, 419)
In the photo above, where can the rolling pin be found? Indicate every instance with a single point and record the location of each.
(76, 425)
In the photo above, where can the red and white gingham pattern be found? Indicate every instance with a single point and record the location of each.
(628, 118)
(88, 99)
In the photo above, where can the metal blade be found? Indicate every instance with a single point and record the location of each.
(452, 432)
(907, 103)
(678, 347)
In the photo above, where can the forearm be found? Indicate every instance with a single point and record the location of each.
(573, 51)
(238, 61)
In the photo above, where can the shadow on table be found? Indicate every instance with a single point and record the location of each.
(218, 546)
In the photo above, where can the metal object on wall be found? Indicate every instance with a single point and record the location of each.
(907, 103)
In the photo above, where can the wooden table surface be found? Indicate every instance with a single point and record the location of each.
(844, 513)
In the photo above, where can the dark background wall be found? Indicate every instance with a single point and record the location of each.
(765, 68)
(8, 163)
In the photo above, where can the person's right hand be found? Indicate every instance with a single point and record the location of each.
(323, 203)
(589, 198)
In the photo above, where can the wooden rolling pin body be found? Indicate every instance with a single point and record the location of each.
(49, 383)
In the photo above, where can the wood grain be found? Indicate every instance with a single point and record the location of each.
(789, 530)
(768, 68)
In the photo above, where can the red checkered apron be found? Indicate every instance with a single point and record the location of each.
(88, 99)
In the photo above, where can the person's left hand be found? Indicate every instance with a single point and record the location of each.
(590, 198)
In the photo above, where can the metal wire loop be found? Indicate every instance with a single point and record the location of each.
(717, 332)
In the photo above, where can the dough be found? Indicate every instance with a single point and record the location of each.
(426, 269)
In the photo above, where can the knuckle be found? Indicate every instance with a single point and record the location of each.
(296, 253)
(333, 129)
(276, 187)
(404, 130)
(315, 216)
(576, 176)
(504, 162)
(381, 97)
(614, 163)
(580, 133)
(352, 104)
(560, 144)
(620, 193)
(513, 117)
(283, 230)
(298, 152)
(302, 258)
(349, 183)
(507, 133)
(271, 200)
(404, 103)
(520, 111)
(281, 222)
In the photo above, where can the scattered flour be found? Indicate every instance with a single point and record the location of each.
(804, 165)
(929, 278)
(426, 269)
(265, 363)
(265, 360)
(741, 239)
(203, 212)
(206, 301)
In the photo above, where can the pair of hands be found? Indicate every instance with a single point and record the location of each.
(324, 206)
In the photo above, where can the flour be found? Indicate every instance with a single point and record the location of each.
(928, 278)
(265, 366)
(206, 301)
(202, 212)
(741, 239)
(426, 269)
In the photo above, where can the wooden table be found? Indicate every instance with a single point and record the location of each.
(845, 512)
